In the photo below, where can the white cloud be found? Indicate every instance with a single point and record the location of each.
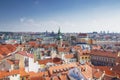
(95, 24)
(22, 19)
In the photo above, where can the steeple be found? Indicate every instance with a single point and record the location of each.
(59, 38)
(59, 31)
(59, 35)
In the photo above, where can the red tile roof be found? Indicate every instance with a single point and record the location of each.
(86, 70)
(63, 77)
(69, 56)
(54, 60)
(55, 78)
(106, 77)
(6, 49)
(37, 76)
(106, 69)
(98, 74)
(20, 71)
(24, 53)
(104, 53)
(83, 34)
(77, 47)
(13, 61)
(62, 49)
(62, 67)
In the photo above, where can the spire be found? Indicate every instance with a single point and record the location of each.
(59, 38)
(59, 31)
(59, 34)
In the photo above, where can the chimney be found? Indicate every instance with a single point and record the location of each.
(98, 70)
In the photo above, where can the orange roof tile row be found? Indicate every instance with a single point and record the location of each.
(6, 49)
(104, 53)
(83, 52)
(35, 44)
(116, 69)
(54, 60)
(63, 77)
(86, 70)
(24, 53)
(107, 70)
(106, 77)
(62, 67)
(13, 72)
(98, 74)
(77, 47)
(62, 49)
(32, 75)
(13, 61)
(69, 55)
(32, 43)
(46, 76)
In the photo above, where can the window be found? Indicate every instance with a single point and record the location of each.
(26, 62)
(23, 78)
(3, 65)
(82, 57)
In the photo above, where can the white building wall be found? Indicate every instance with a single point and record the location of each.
(15, 77)
(33, 66)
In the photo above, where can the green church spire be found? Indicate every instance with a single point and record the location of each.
(59, 31)
(59, 35)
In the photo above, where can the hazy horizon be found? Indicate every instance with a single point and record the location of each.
(69, 15)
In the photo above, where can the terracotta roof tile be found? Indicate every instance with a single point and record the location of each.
(24, 53)
(22, 72)
(62, 67)
(13, 72)
(86, 70)
(106, 69)
(62, 49)
(98, 74)
(77, 47)
(55, 78)
(12, 61)
(6, 49)
(104, 53)
(69, 56)
(63, 77)
(54, 60)
(106, 77)
(33, 44)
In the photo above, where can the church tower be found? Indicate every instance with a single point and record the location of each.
(59, 39)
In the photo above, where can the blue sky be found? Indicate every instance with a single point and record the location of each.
(69, 15)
